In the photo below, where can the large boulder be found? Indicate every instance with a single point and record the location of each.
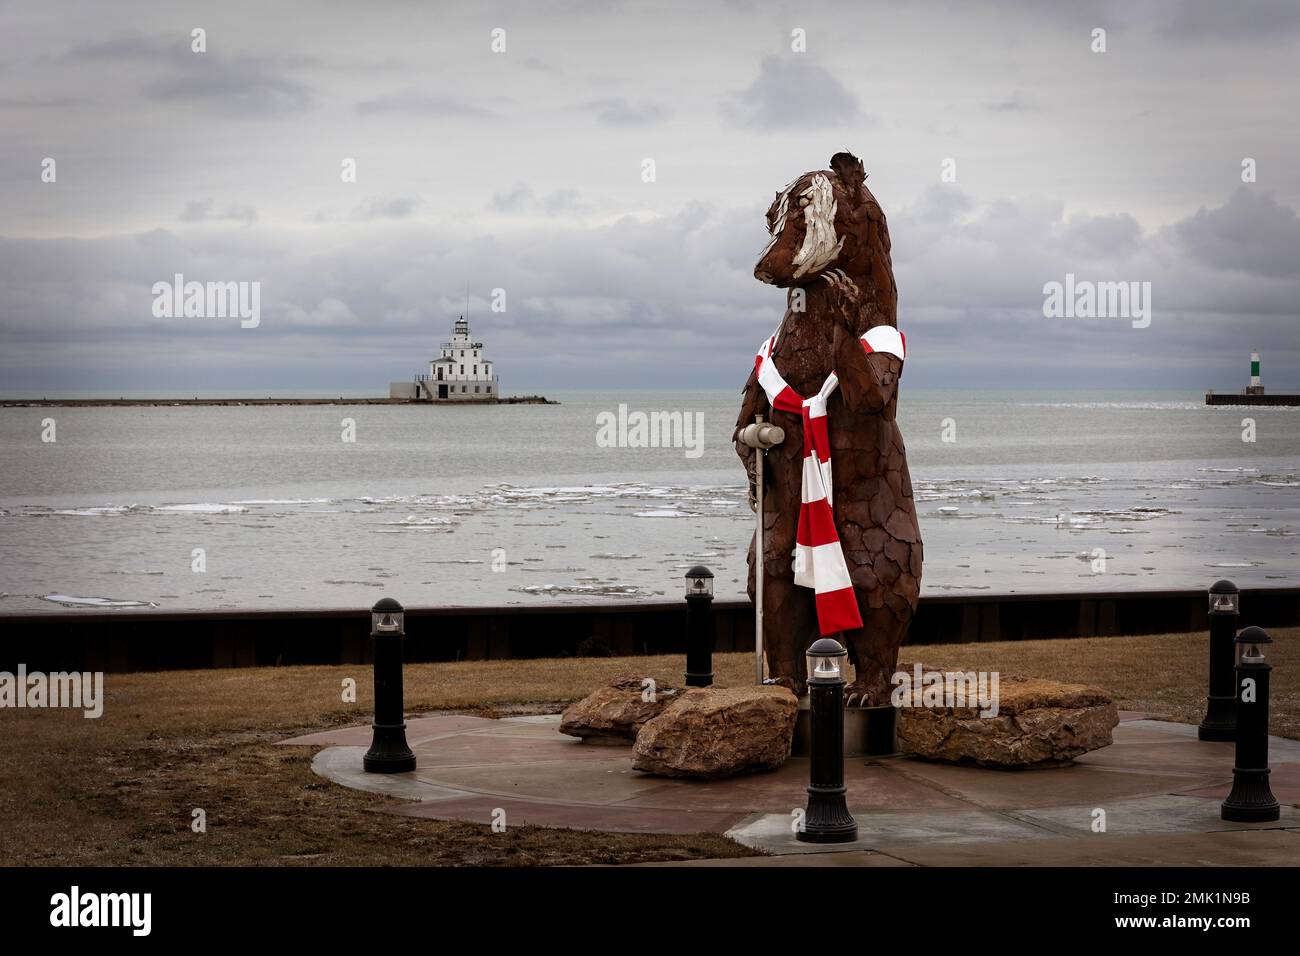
(1039, 723)
(614, 713)
(713, 732)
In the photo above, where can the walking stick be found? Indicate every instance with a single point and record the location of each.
(760, 436)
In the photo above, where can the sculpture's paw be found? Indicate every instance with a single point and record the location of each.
(855, 695)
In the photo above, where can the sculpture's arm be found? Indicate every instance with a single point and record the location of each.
(868, 381)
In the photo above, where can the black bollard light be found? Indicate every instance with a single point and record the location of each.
(827, 818)
(699, 627)
(1251, 799)
(388, 751)
(1220, 721)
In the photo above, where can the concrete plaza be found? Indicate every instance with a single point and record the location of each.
(1158, 787)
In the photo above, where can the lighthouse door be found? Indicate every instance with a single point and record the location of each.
(442, 391)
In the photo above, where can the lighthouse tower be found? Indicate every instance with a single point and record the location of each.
(1254, 388)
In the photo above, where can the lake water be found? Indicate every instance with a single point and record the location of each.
(520, 504)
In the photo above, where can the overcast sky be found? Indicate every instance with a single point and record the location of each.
(522, 170)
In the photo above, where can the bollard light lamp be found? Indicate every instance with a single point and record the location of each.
(825, 661)
(387, 617)
(1224, 598)
(699, 582)
(1250, 645)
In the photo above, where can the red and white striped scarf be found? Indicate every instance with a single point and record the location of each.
(818, 558)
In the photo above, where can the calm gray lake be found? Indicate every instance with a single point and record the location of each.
(521, 505)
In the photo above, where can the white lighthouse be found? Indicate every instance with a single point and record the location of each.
(1255, 387)
(461, 373)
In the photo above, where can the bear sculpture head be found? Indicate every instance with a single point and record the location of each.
(819, 223)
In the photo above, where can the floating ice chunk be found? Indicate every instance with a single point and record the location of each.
(282, 501)
(94, 601)
(205, 508)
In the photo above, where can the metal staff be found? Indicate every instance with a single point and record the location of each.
(760, 436)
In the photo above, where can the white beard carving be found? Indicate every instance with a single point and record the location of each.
(819, 247)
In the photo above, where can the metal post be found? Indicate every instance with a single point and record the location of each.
(388, 751)
(760, 436)
(760, 571)
(1220, 721)
(1251, 799)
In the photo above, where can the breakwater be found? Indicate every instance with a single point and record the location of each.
(1259, 400)
(171, 640)
(186, 402)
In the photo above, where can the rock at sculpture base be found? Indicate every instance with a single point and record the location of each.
(714, 732)
(1039, 723)
(614, 713)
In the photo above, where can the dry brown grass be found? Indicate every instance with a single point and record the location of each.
(120, 790)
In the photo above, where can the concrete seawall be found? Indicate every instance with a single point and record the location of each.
(169, 640)
(1257, 400)
(186, 402)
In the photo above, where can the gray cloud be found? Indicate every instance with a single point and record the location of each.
(421, 104)
(621, 112)
(541, 66)
(521, 199)
(528, 167)
(129, 46)
(1259, 19)
(205, 211)
(1252, 233)
(1013, 103)
(396, 207)
(793, 92)
(243, 85)
(36, 102)
(668, 300)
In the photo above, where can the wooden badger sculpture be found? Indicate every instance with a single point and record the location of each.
(830, 248)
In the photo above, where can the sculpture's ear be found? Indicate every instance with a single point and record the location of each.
(851, 172)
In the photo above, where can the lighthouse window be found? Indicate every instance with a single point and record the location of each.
(462, 370)
(475, 369)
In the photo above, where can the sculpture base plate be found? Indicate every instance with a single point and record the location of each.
(868, 731)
